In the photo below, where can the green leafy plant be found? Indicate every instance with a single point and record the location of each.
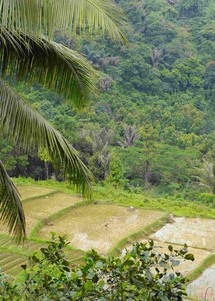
(142, 273)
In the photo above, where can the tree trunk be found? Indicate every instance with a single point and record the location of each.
(147, 173)
(213, 189)
(46, 170)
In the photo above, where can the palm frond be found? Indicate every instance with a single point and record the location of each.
(206, 175)
(11, 210)
(29, 129)
(30, 58)
(42, 16)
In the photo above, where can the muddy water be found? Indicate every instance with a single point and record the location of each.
(195, 232)
(203, 288)
(198, 234)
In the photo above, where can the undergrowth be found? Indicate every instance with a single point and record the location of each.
(143, 199)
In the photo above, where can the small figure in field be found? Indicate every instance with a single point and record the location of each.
(106, 225)
(170, 219)
(47, 222)
(131, 209)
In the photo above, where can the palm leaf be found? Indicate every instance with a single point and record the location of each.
(11, 211)
(29, 129)
(42, 16)
(33, 59)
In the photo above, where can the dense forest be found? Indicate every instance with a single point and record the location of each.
(152, 125)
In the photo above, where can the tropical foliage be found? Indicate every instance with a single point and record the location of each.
(206, 176)
(142, 273)
(156, 110)
(29, 53)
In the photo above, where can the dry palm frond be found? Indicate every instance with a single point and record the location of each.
(29, 129)
(130, 136)
(42, 16)
(11, 211)
(53, 65)
(206, 176)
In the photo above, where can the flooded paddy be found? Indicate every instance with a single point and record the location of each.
(203, 288)
(195, 232)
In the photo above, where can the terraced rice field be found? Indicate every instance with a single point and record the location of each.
(203, 288)
(102, 226)
(39, 204)
(199, 235)
(11, 263)
(44, 207)
(28, 192)
(13, 256)
(195, 232)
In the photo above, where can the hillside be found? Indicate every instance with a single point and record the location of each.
(147, 136)
(153, 122)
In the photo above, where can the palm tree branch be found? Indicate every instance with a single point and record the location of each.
(11, 210)
(30, 130)
(25, 57)
(44, 16)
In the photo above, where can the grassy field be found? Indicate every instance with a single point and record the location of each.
(109, 224)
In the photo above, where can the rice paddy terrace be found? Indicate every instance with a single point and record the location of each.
(109, 228)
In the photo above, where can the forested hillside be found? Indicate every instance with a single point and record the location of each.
(152, 124)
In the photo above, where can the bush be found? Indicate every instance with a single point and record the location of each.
(206, 198)
(141, 274)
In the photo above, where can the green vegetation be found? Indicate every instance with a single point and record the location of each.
(209, 261)
(49, 277)
(176, 204)
(30, 54)
(49, 211)
(148, 136)
(153, 122)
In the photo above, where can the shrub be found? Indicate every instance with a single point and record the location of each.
(207, 198)
(140, 274)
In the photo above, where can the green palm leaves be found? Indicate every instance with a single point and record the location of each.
(52, 65)
(206, 176)
(11, 211)
(28, 53)
(43, 17)
(29, 129)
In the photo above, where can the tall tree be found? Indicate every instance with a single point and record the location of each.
(28, 52)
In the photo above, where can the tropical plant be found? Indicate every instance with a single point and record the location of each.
(28, 53)
(206, 176)
(142, 273)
